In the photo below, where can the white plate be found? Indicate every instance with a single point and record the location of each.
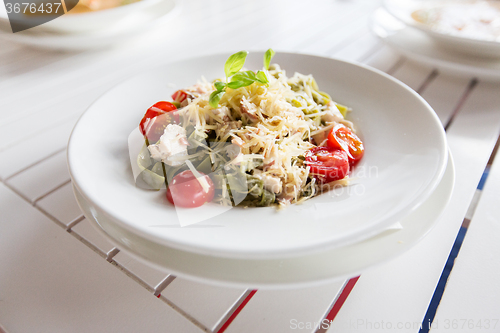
(91, 21)
(129, 27)
(402, 10)
(420, 47)
(298, 272)
(404, 161)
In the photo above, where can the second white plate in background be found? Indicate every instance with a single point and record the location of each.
(454, 41)
(420, 47)
(132, 26)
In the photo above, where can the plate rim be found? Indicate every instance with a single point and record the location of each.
(261, 281)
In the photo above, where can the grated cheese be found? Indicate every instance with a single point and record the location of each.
(273, 124)
(199, 177)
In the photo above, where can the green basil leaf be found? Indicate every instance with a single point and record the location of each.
(247, 76)
(235, 63)
(238, 84)
(215, 98)
(267, 58)
(262, 77)
(219, 85)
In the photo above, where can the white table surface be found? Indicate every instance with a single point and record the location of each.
(57, 274)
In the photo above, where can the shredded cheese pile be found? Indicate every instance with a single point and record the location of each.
(276, 124)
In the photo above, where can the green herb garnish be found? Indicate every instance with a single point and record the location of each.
(215, 98)
(236, 79)
(267, 58)
(234, 63)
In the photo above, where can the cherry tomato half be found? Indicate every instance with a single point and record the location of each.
(156, 119)
(186, 191)
(341, 137)
(328, 164)
(179, 96)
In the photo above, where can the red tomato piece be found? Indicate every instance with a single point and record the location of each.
(341, 137)
(156, 119)
(328, 164)
(179, 96)
(186, 191)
